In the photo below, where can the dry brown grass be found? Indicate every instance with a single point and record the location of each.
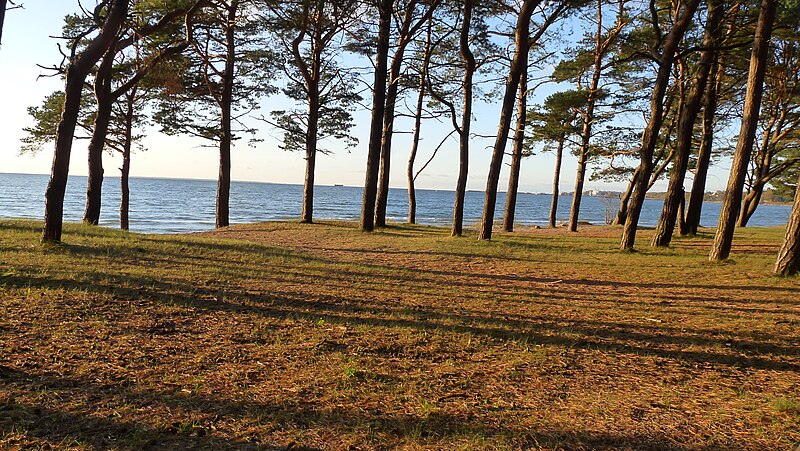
(288, 336)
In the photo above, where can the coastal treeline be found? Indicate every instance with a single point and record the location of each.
(645, 91)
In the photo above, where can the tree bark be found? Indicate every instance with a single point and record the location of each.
(723, 239)
(683, 147)
(750, 203)
(378, 108)
(788, 261)
(518, 64)
(516, 154)
(75, 77)
(405, 34)
(577, 195)
(762, 171)
(3, 5)
(412, 157)
(466, 121)
(588, 120)
(388, 132)
(622, 213)
(125, 170)
(697, 194)
(556, 177)
(311, 153)
(412, 196)
(312, 77)
(650, 134)
(226, 104)
(104, 100)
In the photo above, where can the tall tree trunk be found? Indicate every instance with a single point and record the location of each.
(76, 75)
(224, 181)
(125, 170)
(125, 191)
(378, 108)
(556, 177)
(3, 5)
(710, 103)
(650, 134)
(412, 195)
(588, 121)
(516, 154)
(423, 73)
(404, 38)
(518, 64)
(466, 120)
(104, 100)
(703, 155)
(311, 151)
(788, 261)
(577, 195)
(723, 239)
(683, 146)
(386, 143)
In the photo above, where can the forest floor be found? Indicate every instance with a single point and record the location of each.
(290, 336)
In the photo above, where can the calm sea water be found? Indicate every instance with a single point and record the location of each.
(177, 206)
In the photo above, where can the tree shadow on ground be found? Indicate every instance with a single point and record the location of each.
(201, 416)
(743, 351)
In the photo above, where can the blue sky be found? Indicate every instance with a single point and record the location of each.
(26, 43)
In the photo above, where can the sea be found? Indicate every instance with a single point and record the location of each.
(167, 206)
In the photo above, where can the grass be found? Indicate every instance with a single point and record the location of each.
(290, 336)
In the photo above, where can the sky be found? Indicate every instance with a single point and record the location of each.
(27, 42)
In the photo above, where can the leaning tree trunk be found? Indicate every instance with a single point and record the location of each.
(518, 64)
(723, 239)
(226, 139)
(466, 120)
(710, 102)
(750, 203)
(378, 108)
(516, 155)
(75, 76)
(94, 181)
(683, 147)
(624, 199)
(788, 262)
(695, 207)
(761, 172)
(556, 177)
(650, 134)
